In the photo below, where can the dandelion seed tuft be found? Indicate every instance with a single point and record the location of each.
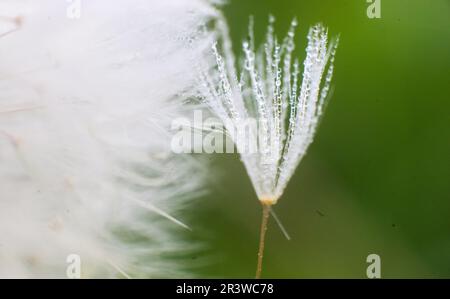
(269, 92)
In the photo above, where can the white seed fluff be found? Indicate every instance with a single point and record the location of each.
(267, 90)
(85, 111)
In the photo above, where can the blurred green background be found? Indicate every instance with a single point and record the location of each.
(376, 179)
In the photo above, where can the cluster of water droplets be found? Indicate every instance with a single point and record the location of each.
(269, 91)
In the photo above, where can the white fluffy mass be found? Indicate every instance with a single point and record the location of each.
(87, 93)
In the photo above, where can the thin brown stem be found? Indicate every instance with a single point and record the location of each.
(262, 236)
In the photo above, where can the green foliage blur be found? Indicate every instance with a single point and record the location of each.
(377, 177)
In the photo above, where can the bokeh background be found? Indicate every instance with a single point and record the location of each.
(377, 177)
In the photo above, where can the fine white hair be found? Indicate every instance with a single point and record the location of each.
(267, 87)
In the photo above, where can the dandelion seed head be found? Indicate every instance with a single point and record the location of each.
(85, 113)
